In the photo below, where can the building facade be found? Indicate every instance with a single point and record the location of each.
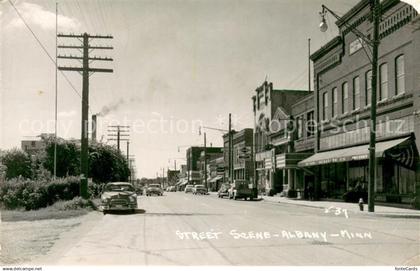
(342, 75)
(194, 164)
(274, 135)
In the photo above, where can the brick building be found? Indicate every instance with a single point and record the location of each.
(342, 75)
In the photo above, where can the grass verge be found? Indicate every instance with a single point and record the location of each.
(59, 210)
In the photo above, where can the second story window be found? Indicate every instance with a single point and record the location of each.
(310, 124)
(399, 75)
(325, 105)
(368, 89)
(383, 77)
(356, 93)
(334, 107)
(345, 98)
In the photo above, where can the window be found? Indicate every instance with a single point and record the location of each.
(299, 124)
(325, 104)
(345, 98)
(383, 77)
(310, 124)
(368, 90)
(356, 93)
(399, 75)
(334, 107)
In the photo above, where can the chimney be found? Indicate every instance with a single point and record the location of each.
(94, 127)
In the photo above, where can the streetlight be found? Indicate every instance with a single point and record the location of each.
(374, 44)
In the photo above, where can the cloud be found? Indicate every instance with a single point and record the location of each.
(67, 114)
(35, 14)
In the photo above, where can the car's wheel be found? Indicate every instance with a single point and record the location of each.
(104, 212)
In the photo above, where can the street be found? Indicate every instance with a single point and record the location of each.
(184, 229)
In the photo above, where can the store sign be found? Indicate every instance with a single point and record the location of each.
(355, 46)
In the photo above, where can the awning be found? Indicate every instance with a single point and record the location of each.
(402, 150)
(215, 179)
(183, 181)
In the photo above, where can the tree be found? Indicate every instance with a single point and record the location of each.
(107, 164)
(68, 157)
(17, 163)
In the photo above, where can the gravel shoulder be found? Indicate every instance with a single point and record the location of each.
(27, 237)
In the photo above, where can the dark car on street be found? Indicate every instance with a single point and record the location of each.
(119, 196)
(154, 189)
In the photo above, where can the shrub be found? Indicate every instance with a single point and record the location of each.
(22, 193)
(74, 204)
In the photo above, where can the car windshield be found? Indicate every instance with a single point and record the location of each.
(154, 186)
(189, 186)
(119, 188)
(199, 186)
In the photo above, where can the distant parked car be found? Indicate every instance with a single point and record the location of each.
(224, 190)
(189, 188)
(240, 189)
(119, 196)
(200, 189)
(139, 190)
(154, 189)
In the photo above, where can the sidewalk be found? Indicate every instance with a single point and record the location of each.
(351, 207)
(385, 211)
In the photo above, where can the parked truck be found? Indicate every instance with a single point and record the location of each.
(241, 189)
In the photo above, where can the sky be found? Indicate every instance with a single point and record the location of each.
(177, 65)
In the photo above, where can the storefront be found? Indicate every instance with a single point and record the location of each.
(347, 169)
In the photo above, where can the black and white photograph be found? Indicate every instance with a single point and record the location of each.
(202, 134)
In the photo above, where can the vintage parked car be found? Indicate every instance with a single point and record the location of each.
(189, 188)
(240, 189)
(119, 196)
(200, 189)
(154, 189)
(224, 190)
(171, 189)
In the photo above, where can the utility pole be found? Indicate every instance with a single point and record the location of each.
(375, 5)
(205, 160)
(230, 149)
(118, 133)
(86, 71)
(56, 91)
(309, 64)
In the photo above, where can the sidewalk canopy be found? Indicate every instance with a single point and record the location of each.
(402, 150)
(215, 179)
(183, 181)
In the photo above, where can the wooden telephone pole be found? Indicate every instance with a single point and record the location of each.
(85, 71)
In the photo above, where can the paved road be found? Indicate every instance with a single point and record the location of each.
(183, 229)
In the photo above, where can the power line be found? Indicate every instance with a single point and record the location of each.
(43, 47)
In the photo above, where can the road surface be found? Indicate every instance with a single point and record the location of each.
(185, 229)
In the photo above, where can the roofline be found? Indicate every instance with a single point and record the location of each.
(353, 11)
(326, 48)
